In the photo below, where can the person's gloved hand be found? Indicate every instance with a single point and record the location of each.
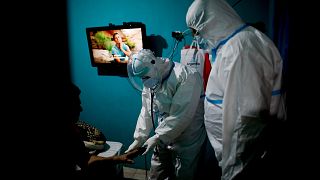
(151, 143)
(134, 145)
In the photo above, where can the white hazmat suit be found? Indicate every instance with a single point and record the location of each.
(178, 108)
(244, 83)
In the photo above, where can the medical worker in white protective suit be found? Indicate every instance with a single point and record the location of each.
(176, 92)
(243, 93)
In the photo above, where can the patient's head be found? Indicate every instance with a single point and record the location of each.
(73, 102)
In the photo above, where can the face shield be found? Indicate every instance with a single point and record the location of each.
(145, 70)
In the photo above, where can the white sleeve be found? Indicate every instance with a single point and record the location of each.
(183, 107)
(246, 104)
(144, 122)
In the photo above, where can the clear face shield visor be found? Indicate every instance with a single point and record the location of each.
(143, 76)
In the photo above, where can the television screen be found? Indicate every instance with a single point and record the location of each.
(110, 46)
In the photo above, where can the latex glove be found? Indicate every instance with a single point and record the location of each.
(134, 145)
(151, 143)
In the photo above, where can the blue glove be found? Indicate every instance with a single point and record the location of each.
(151, 143)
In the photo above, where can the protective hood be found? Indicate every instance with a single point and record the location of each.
(214, 20)
(148, 68)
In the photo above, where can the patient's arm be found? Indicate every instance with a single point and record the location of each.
(124, 158)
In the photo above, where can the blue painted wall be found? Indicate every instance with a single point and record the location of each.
(109, 102)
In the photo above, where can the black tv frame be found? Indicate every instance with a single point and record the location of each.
(113, 68)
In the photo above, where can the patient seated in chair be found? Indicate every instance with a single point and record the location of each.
(82, 161)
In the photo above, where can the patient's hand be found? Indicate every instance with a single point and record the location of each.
(124, 158)
(129, 156)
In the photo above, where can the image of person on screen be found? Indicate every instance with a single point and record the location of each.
(120, 50)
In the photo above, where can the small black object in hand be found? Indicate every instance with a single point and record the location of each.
(141, 150)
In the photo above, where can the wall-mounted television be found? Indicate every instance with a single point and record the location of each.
(110, 46)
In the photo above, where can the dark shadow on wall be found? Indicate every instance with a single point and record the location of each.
(156, 43)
